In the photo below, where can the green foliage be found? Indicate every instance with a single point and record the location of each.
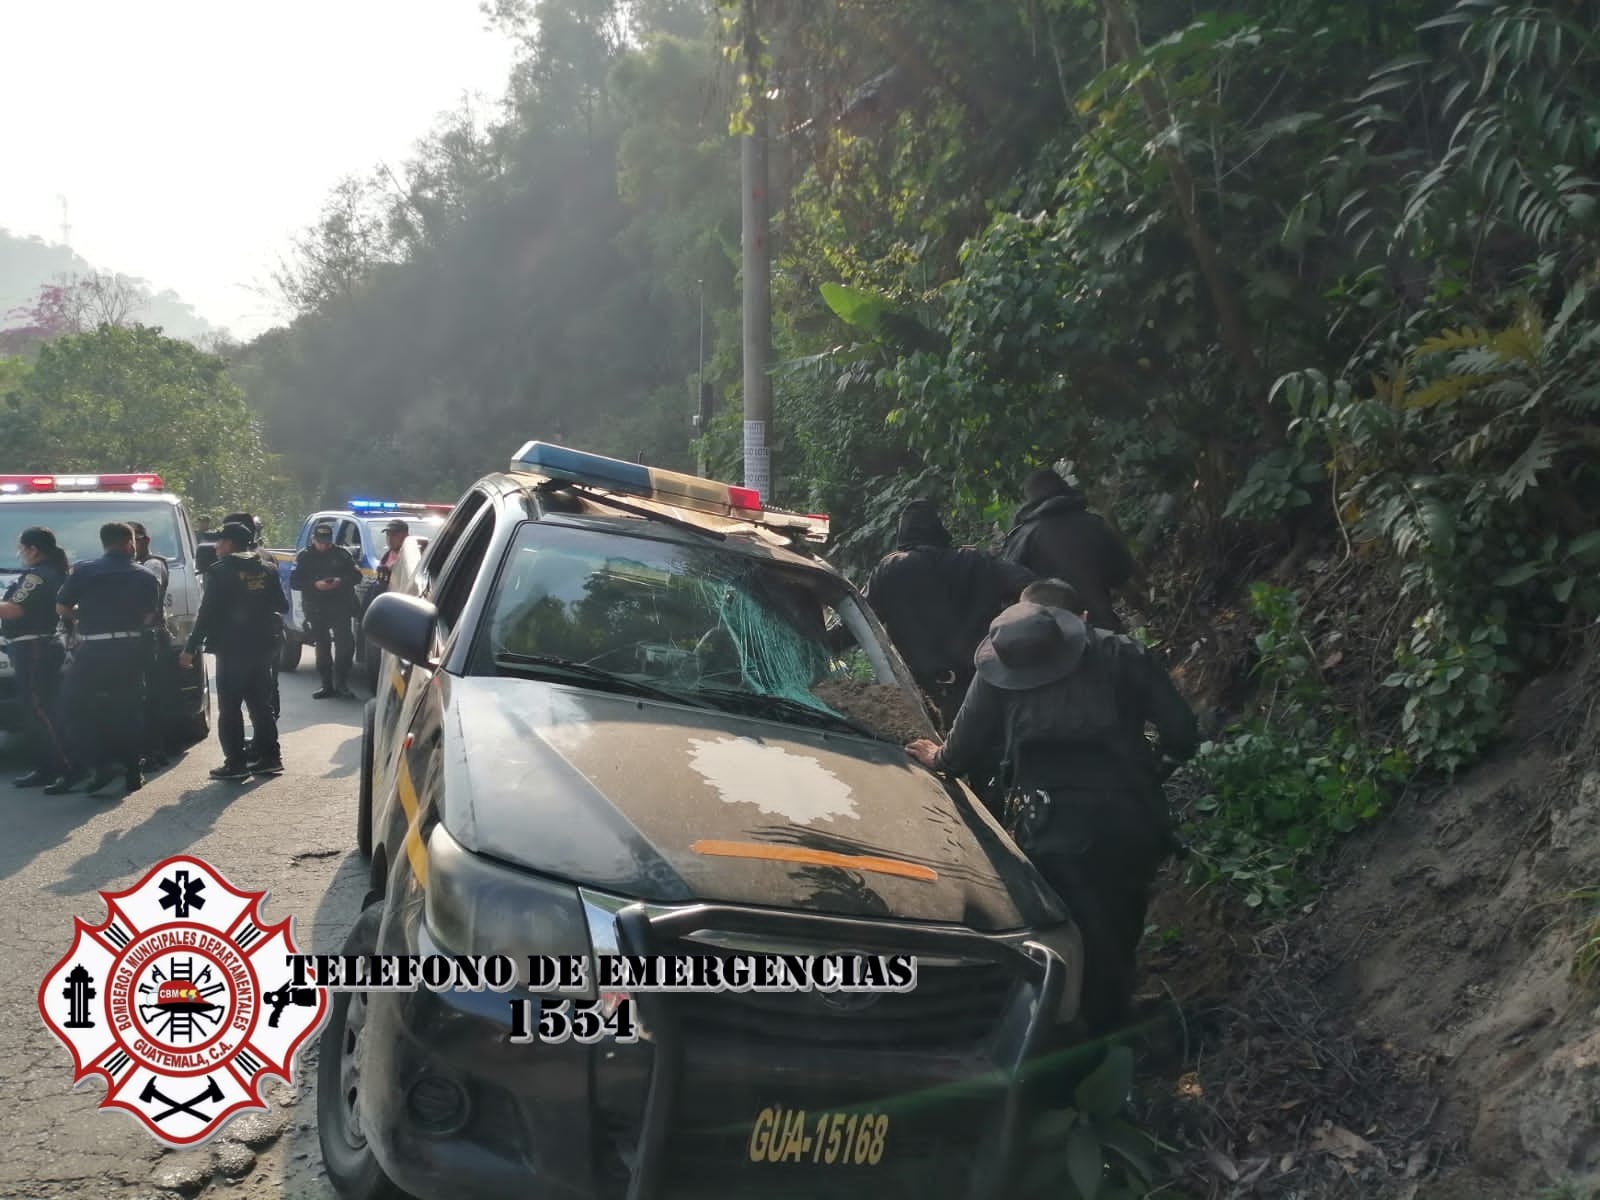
(1286, 781)
(130, 399)
(1091, 1147)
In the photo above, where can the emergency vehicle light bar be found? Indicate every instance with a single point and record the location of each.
(668, 487)
(397, 506)
(124, 482)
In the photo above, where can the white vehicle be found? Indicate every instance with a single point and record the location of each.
(74, 507)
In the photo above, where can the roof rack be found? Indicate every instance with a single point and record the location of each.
(691, 492)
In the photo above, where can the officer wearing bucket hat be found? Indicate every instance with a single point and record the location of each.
(1070, 704)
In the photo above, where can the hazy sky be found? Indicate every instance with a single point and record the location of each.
(193, 140)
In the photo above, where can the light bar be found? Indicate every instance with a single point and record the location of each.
(397, 506)
(122, 482)
(668, 487)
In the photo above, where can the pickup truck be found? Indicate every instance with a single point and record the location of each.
(359, 529)
(74, 507)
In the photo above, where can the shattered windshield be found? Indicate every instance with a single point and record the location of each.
(701, 623)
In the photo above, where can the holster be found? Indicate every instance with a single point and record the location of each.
(1027, 815)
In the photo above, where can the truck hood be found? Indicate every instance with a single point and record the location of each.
(668, 803)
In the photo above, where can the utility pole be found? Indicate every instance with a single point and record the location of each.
(757, 271)
(702, 416)
(66, 225)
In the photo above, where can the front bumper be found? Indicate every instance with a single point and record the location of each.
(672, 1116)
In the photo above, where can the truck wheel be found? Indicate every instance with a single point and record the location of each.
(289, 656)
(352, 1168)
(194, 726)
(369, 719)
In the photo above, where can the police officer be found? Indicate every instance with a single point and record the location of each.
(395, 534)
(241, 604)
(114, 601)
(936, 601)
(1070, 704)
(158, 682)
(326, 577)
(253, 523)
(28, 625)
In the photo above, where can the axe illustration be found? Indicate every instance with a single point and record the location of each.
(152, 1093)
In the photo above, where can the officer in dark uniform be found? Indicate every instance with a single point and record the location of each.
(253, 523)
(115, 601)
(326, 577)
(158, 682)
(242, 603)
(28, 626)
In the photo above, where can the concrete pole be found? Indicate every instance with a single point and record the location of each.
(757, 285)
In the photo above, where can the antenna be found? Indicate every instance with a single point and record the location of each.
(66, 225)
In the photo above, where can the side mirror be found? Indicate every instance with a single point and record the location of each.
(205, 556)
(403, 625)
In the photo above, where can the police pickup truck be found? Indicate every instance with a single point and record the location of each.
(628, 710)
(359, 529)
(74, 507)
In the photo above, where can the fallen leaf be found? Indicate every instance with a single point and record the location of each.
(1286, 1164)
(1224, 1165)
(1417, 1163)
(1333, 660)
(1342, 1144)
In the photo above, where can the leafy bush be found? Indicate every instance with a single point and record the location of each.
(1090, 1145)
(1287, 780)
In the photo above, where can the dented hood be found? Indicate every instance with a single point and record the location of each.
(668, 803)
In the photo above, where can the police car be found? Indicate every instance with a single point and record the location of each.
(74, 507)
(359, 529)
(627, 709)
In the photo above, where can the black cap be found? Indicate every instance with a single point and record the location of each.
(323, 529)
(239, 535)
(397, 526)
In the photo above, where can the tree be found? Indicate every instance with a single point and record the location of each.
(133, 400)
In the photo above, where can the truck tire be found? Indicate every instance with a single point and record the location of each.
(352, 1169)
(369, 719)
(194, 726)
(289, 656)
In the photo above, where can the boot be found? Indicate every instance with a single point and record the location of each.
(32, 779)
(102, 778)
(229, 770)
(66, 783)
(326, 692)
(133, 780)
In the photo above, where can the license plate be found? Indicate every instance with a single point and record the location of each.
(794, 1135)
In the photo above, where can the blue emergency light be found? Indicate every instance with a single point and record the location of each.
(397, 506)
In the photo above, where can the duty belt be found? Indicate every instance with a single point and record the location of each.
(106, 637)
(26, 637)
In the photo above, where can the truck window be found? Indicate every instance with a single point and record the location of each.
(444, 543)
(456, 584)
(349, 536)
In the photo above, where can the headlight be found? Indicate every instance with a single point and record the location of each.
(1067, 942)
(474, 906)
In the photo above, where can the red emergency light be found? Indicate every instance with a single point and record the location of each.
(119, 482)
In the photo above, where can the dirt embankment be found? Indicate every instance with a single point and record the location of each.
(1420, 1033)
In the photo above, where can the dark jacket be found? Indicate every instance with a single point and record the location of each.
(335, 562)
(112, 593)
(35, 591)
(936, 600)
(1059, 538)
(239, 608)
(1085, 732)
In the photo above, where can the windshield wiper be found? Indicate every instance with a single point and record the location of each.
(781, 706)
(610, 680)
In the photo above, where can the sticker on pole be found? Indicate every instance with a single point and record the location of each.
(181, 1000)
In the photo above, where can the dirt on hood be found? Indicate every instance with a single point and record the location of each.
(1422, 1032)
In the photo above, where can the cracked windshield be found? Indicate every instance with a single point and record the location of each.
(800, 599)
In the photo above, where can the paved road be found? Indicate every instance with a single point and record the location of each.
(293, 835)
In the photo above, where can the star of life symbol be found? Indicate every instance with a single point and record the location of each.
(181, 1001)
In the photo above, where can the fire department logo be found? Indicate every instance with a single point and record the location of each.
(181, 1000)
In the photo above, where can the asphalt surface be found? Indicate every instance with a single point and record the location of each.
(292, 835)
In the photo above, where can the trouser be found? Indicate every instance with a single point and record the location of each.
(276, 656)
(160, 685)
(244, 683)
(1100, 851)
(38, 668)
(102, 703)
(333, 660)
